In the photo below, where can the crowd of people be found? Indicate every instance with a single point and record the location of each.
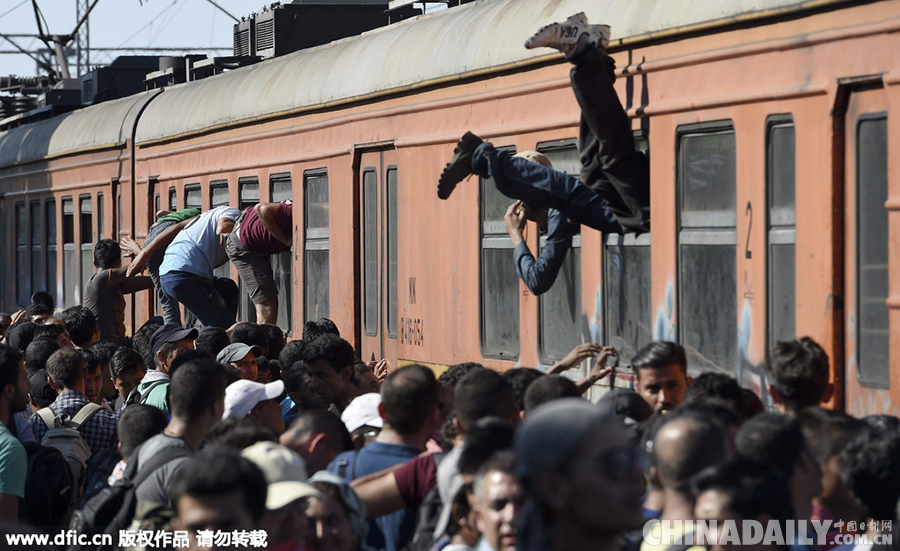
(230, 436)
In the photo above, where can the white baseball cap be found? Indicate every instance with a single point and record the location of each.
(363, 410)
(243, 395)
(285, 473)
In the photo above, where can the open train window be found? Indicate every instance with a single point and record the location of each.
(86, 211)
(316, 245)
(248, 195)
(22, 290)
(282, 265)
(559, 309)
(873, 325)
(50, 229)
(782, 234)
(37, 283)
(69, 253)
(499, 281)
(707, 245)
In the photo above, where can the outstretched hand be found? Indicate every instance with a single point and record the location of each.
(576, 356)
(600, 370)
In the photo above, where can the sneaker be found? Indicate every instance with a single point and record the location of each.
(460, 165)
(565, 36)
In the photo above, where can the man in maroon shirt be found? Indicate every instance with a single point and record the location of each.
(261, 231)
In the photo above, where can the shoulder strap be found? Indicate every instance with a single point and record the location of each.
(85, 414)
(158, 461)
(146, 394)
(48, 417)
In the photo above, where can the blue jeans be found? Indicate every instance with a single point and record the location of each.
(213, 301)
(171, 312)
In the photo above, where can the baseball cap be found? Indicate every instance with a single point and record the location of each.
(363, 410)
(243, 395)
(237, 351)
(285, 473)
(170, 332)
(40, 386)
(626, 403)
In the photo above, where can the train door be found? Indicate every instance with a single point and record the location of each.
(379, 320)
(866, 327)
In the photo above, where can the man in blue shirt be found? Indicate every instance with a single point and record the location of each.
(410, 410)
(186, 273)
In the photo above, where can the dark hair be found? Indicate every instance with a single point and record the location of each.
(482, 393)
(38, 309)
(272, 366)
(714, 408)
(882, 422)
(752, 404)
(221, 471)
(315, 421)
(274, 339)
(106, 253)
(141, 342)
(50, 331)
(337, 352)
(20, 334)
(137, 424)
(66, 368)
(827, 432)
(457, 371)
(9, 366)
(250, 334)
(291, 353)
(519, 380)
(45, 298)
(38, 352)
(548, 388)
(409, 396)
(799, 371)
(702, 443)
(753, 489)
(312, 330)
(80, 324)
(449, 432)
(716, 385)
(212, 340)
(870, 467)
(660, 354)
(125, 361)
(238, 434)
(195, 387)
(104, 350)
(487, 437)
(295, 377)
(774, 439)
(91, 360)
(360, 368)
(185, 357)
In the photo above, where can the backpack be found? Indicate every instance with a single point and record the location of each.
(113, 508)
(64, 434)
(427, 516)
(96, 475)
(135, 397)
(48, 488)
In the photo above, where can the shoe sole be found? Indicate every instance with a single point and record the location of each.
(459, 167)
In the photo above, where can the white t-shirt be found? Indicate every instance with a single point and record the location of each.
(196, 249)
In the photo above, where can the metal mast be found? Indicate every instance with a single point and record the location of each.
(82, 37)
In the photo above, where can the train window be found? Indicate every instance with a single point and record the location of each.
(50, 226)
(782, 235)
(68, 236)
(626, 279)
(86, 209)
(218, 197)
(370, 250)
(499, 281)
(101, 215)
(157, 197)
(118, 209)
(392, 264)
(36, 246)
(873, 341)
(173, 199)
(193, 197)
(559, 309)
(22, 291)
(248, 195)
(316, 262)
(707, 237)
(282, 266)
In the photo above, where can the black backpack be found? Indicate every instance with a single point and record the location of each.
(135, 397)
(48, 487)
(113, 508)
(96, 473)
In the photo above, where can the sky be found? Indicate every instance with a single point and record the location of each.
(115, 23)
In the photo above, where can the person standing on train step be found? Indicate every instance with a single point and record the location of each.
(186, 273)
(104, 293)
(161, 234)
(613, 194)
(262, 230)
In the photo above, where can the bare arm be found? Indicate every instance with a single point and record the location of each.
(575, 357)
(379, 492)
(267, 213)
(598, 371)
(160, 243)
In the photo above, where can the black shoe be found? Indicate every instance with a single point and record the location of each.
(460, 165)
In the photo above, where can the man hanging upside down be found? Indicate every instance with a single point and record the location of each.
(613, 194)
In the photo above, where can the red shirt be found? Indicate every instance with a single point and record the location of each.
(415, 478)
(256, 238)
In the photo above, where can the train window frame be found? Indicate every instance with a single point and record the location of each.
(392, 228)
(173, 199)
(493, 237)
(192, 191)
(23, 294)
(214, 187)
(101, 215)
(36, 245)
(246, 198)
(51, 263)
(865, 379)
(559, 289)
(316, 239)
(781, 231)
(369, 213)
(69, 257)
(711, 232)
(282, 263)
(86, 248)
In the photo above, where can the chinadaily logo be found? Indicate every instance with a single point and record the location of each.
(751, 532)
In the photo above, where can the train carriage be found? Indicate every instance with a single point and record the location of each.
(766, 124)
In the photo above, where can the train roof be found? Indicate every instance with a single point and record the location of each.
(454, 44)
